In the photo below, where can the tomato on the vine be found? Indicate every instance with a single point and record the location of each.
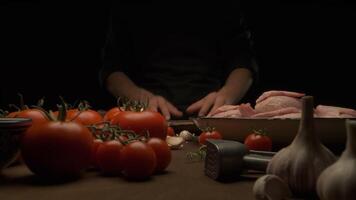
(162, 151)
(85, 117)
(37, 116)
(110, 114)
(142, 123)
(108, 157)
(56, 149)
(258, 141)
(209, 134)
(138, 160)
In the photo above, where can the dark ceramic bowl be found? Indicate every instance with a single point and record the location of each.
(11, 130)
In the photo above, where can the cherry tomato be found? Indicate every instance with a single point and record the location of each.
(139, 160)
(57, 149)
(162, 151)
(111, 114)
(108, 157)
(142, 123)
(259, 142)
(170, 131)
(213, 134)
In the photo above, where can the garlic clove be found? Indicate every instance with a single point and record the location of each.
(271, 187)
(186, 135)
(175, 142)
(339, 180)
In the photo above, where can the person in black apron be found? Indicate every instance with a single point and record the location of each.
(186, 59)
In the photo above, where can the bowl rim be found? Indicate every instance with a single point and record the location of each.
(15, 122)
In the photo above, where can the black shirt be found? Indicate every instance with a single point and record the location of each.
(177, 50)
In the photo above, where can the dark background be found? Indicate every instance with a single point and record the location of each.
(51, 49)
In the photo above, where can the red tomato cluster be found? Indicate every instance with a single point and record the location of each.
(135, 160)
(65, 146)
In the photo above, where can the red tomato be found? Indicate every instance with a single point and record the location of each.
(138, 159)
(170, 131)
(111, 114)
(142, 122)
(208, 135)
(94, 160)
(108, 157)
(85, 117)
(258, 142)
(37, 116)
(57, 149)
(162, 151)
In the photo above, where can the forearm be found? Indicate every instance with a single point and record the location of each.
(120, 85)
(237, 84)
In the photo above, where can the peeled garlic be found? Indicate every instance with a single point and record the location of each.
(271, 187)
(186, 135)
(175, 142)
(301, 163)
(339, 180)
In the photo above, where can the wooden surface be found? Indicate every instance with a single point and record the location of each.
(183, 180)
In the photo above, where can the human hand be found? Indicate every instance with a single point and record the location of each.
(210, 103)
(158, 103)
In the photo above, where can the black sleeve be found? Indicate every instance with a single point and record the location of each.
(237, 46)
(116, 48)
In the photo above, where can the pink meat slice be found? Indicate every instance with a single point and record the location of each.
(228, 114)
(271, 93)
(333, 111)
(279, 112)
(246, 110)
(276, 103)
(223, 108)
(289, 116)
(242, 110)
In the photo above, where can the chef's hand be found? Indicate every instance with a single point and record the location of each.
(210, 102)
(158, 103)
(236, 85)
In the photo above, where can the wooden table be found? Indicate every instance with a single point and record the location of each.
(183, 180)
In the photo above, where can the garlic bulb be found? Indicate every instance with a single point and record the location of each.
(271, 187)
(339, 180)
(305, 158)
(186, 135)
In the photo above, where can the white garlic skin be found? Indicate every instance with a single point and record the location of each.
(300, 168)
(271, 187)
(186, 135)
(301, 163)
(338, 182)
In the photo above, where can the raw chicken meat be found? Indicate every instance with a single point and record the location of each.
(332, 111)
(279, 112)
(271, 93)
(229, 111)
(277, 102)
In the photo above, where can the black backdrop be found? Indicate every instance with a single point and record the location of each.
(51, 49)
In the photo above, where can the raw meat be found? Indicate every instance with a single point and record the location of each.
(271, 93)
(277, 102)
